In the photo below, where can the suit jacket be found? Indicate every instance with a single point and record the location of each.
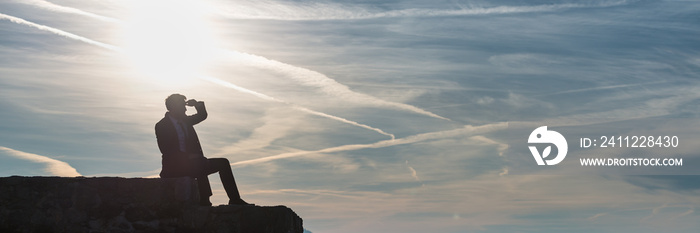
(177, 163)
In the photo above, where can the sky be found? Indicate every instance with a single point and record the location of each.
(375, 116)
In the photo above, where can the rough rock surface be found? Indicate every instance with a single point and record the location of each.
(113, 204)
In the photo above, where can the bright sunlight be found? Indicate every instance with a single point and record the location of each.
(169, 41)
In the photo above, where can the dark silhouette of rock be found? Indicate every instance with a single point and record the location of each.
(113, 204)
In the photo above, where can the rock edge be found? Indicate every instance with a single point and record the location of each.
(115, 204)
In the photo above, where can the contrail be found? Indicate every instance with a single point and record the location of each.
(302, 75)
(58, 8)
(467, 130)
(211, 79)
(304, 109)
(271, 10)
(59, 32)
(605, 88)
(324, 83)
(53, 166)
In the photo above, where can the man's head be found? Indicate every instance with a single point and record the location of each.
(175, 104)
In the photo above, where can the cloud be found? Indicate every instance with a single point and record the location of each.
(303, 109)
(690, 211)
(491, 201)
(53, 166)
(59, 32)
(304, 76)
(155, 173)
(334, 193)
(500, 201)
(672, 98)
(274, 10)
(502, 147)
(207, 78)
(594, 217)
(277, 123)
(274, 127)
(58, 8)
(634, 85)
(414, 173)
(674, 183)
(504, 172)
(463, 131)
(324, 83)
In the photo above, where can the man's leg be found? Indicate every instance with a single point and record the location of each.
(223, 166)
(204, 190)
(197, 168)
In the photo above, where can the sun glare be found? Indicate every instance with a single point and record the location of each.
(169, 41)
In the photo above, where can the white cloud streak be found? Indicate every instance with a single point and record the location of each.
(503, 172)
(594, 217)
(300, 108)
(414, 173)
(53, 166)
(59, 32)
(333, 193)
(467, 130)
(304, 76)
(211, 79)
(324, 83)
(272, 10)
(64, 9)
(607, 87)
(277, 122)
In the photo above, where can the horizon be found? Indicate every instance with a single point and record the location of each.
(379, 116)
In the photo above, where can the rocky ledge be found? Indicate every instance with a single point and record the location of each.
(113, 204)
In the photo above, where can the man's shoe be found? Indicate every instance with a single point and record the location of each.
(239, 202)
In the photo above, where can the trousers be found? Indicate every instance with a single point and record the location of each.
(223, 167)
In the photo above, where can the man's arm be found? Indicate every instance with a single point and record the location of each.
(201, 114)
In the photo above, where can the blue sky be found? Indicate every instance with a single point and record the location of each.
(371, 116)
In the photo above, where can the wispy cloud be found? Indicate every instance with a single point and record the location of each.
(275, 10)
(414, 173)
(334, 193)
(324, 83)
(207, 78)
(302, 75)
(273, 128)
(690, 211)
(591, 59)
(146, 174)
(502, 147)
(594, 217)
(636, 85)
(662, 106)
(303, 109)
(53, 166)
(59, 32)
(64, 9)
(464, 131)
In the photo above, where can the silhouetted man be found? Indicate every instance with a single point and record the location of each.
(182, 153)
